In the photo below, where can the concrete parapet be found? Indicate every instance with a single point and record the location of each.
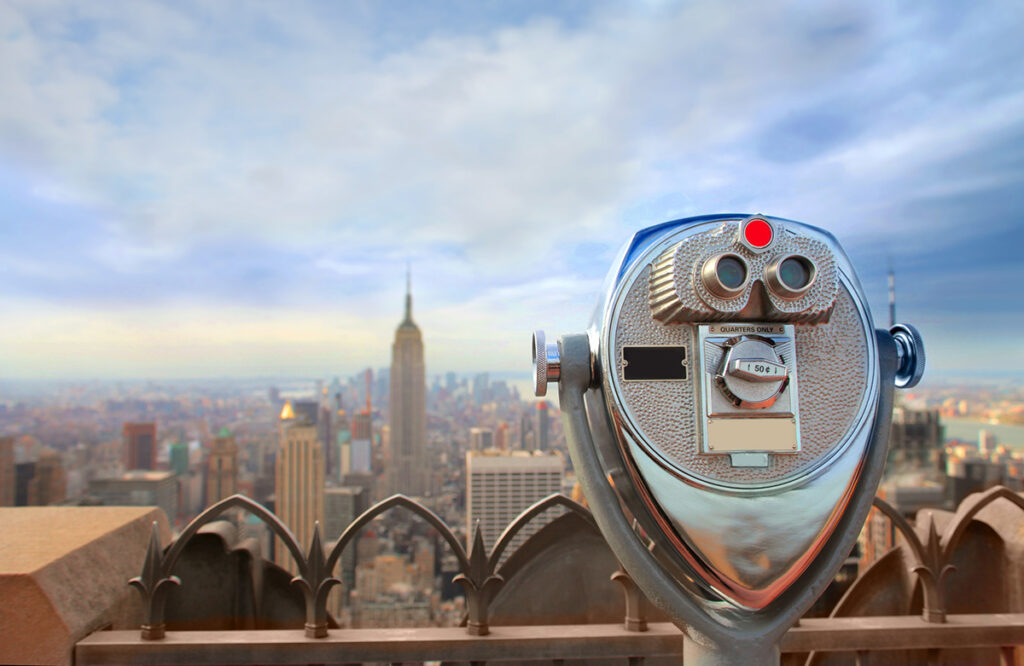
(64, 573)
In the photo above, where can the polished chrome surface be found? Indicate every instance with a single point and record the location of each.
(910, 347)
(547, 366)
(750, 547)
(735, 412)
(702, 615)
(607, 317)
(756, 369)
(779, 287)
(540, 364)
(751, 374)
(744, 542)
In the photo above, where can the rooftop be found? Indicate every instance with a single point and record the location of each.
(141, 475)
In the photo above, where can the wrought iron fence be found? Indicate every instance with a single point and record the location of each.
(932, 555)
(635, 639)
(478, 569)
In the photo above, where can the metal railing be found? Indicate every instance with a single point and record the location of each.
(551, 643)
(478, 568)
(634, 640)
(932, 556)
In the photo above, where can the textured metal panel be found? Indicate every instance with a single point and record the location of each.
(676, 293)
(832, 360)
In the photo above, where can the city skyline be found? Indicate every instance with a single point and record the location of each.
(197, 191)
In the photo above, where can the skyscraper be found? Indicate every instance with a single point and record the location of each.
(481, 439)
(222, 468)
(500, 485)
(139, 446)
(341, 507)
(526, 439)
(343, 444)
(300, 480)
(501, 436)
(361, 450)
(179, 458)
(49, 486)
(408, 470)
(7, 471)
(543, 426)
(916, 436)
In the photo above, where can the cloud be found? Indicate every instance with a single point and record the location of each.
(160, 154)
(483, 139)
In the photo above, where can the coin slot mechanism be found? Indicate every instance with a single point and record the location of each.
(747, 376)
(654, 363)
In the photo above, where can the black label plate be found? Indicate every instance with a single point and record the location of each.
(654, 363)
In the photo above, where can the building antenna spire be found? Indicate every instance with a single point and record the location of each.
(408, 291)
(369, 391)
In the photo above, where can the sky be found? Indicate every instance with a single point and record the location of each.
(236, 189)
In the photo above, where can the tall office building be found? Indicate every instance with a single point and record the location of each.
(138, 488)
(178, 457)
(49, 486)
(526, 438)
(343, 445)
(139, 446)
(308, 410)
(500, 485)
(501, 436)
(481, 439)
(341, 507)
(300, 480)
(408, 471)
(986, 442)
(916, 436)
(222, 468)
(481, 388)
(6, 471)
(361, 449)
(543, 426)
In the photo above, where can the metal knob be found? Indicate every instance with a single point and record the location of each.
(910, 352)
(547, 365)
(752, 375)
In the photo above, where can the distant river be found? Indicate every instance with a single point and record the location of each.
(1011, 436)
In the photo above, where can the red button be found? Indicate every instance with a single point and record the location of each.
(758, 232)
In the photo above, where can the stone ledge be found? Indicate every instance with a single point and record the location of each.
(64, 573)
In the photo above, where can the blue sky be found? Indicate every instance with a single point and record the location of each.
(235, 188)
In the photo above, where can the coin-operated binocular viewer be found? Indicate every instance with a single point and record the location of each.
(727, 414)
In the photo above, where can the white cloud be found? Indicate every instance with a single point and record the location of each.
(484, 157)
(494, 141)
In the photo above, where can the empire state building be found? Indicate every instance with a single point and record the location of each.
(408, 471)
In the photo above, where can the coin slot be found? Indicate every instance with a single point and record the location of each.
(654, 363)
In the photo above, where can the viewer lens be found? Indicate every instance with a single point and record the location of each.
(795, 273)
(731, 272)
